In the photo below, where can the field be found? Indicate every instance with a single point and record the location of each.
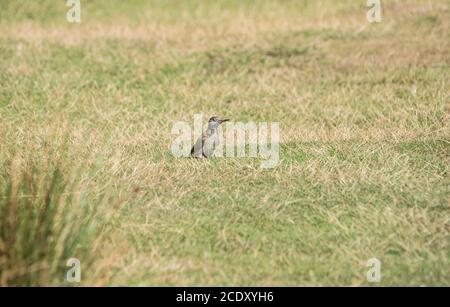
(86, 171)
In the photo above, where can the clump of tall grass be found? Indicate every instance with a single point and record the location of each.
(47, 216)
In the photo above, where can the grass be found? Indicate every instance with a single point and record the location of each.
(47, 217)
(364, 160)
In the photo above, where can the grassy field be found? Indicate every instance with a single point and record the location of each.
(86, 111)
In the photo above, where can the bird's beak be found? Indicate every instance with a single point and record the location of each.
(223, 120)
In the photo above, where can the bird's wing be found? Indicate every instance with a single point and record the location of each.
(199, 146)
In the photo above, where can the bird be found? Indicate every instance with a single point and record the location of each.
(207, 143)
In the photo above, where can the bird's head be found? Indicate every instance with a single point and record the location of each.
(215, 121)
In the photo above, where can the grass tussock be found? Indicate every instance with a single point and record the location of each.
(47, 217)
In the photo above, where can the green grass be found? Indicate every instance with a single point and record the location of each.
(48, 216)
(364, 160)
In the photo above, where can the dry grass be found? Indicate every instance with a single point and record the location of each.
(364, 113)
